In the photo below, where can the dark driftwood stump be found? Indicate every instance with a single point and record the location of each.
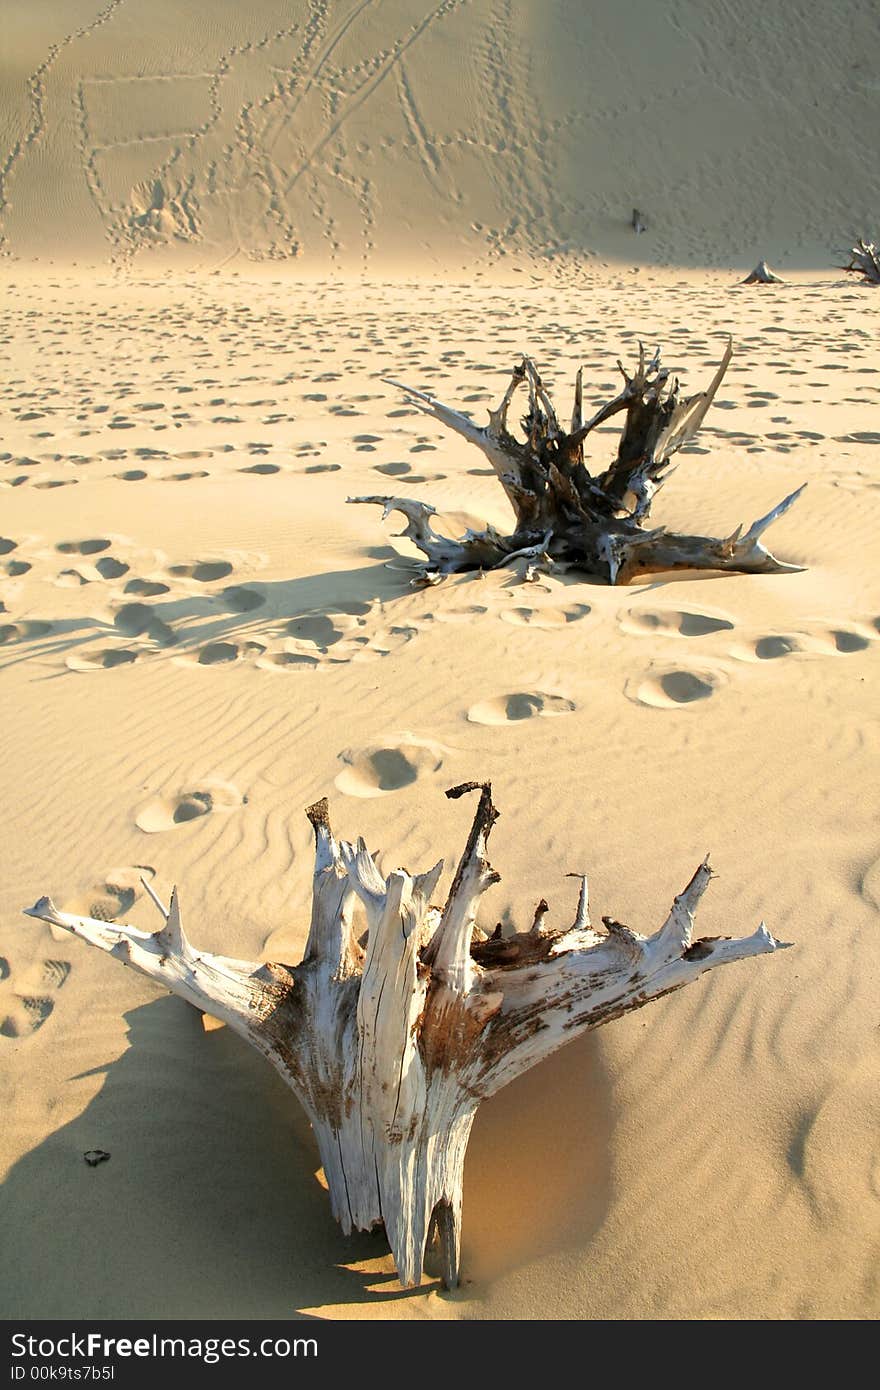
(566, 514)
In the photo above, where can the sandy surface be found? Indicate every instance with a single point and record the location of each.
(199, 638)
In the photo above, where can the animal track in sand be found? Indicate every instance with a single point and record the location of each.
(27, 1000)
(167, 812)
(545, 619)
(386, 766)
(111, 895)
(673, 622)
(674, 687)
(522, 704)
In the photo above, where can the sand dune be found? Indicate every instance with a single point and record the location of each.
(402, 134)
(199, 637)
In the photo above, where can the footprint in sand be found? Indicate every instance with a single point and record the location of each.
(109, 567)
(459, 615)
(167, 812)
(23, 631)
(672, 622)
(845, 1105)
(203, 571)
(674, 687)
(870, 884)
(358, 608)
(27, 999)
(74, 579)
(239, 599)
(6, 545)
(111, 896)
(140, 620)
(101, 659)
(846, 640)
(392, 470)
(827, 642)
(287, 660)
(265, 469)
(386, 766)
(545, 619)
(88, 547)
(146, 588)
(522, 704)
(316, 628)
(216, 653)
(771, 648)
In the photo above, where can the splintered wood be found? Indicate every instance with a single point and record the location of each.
(568, 516)
(391, 1040)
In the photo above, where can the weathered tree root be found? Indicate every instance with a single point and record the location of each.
(391, 1041)
(762, 275)
(865, 260)
(568, 516)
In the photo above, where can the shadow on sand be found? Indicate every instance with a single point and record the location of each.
(210, 1206)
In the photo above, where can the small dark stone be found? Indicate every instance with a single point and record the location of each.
(95, 1156)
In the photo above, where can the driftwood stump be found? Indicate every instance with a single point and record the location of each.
(391, 1040)
(864, 260)
(761, 275)
(569, 516)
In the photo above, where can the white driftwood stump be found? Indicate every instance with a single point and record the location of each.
(761, 275)
(565, 514)
(391, 1042)
(864, 260)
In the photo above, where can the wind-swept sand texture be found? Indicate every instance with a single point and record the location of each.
(198, 637)
(437, 136)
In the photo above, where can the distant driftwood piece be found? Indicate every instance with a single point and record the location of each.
(637, 222)
(391, 1040)
(865, 260)
(762, 275)
(567, 515)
